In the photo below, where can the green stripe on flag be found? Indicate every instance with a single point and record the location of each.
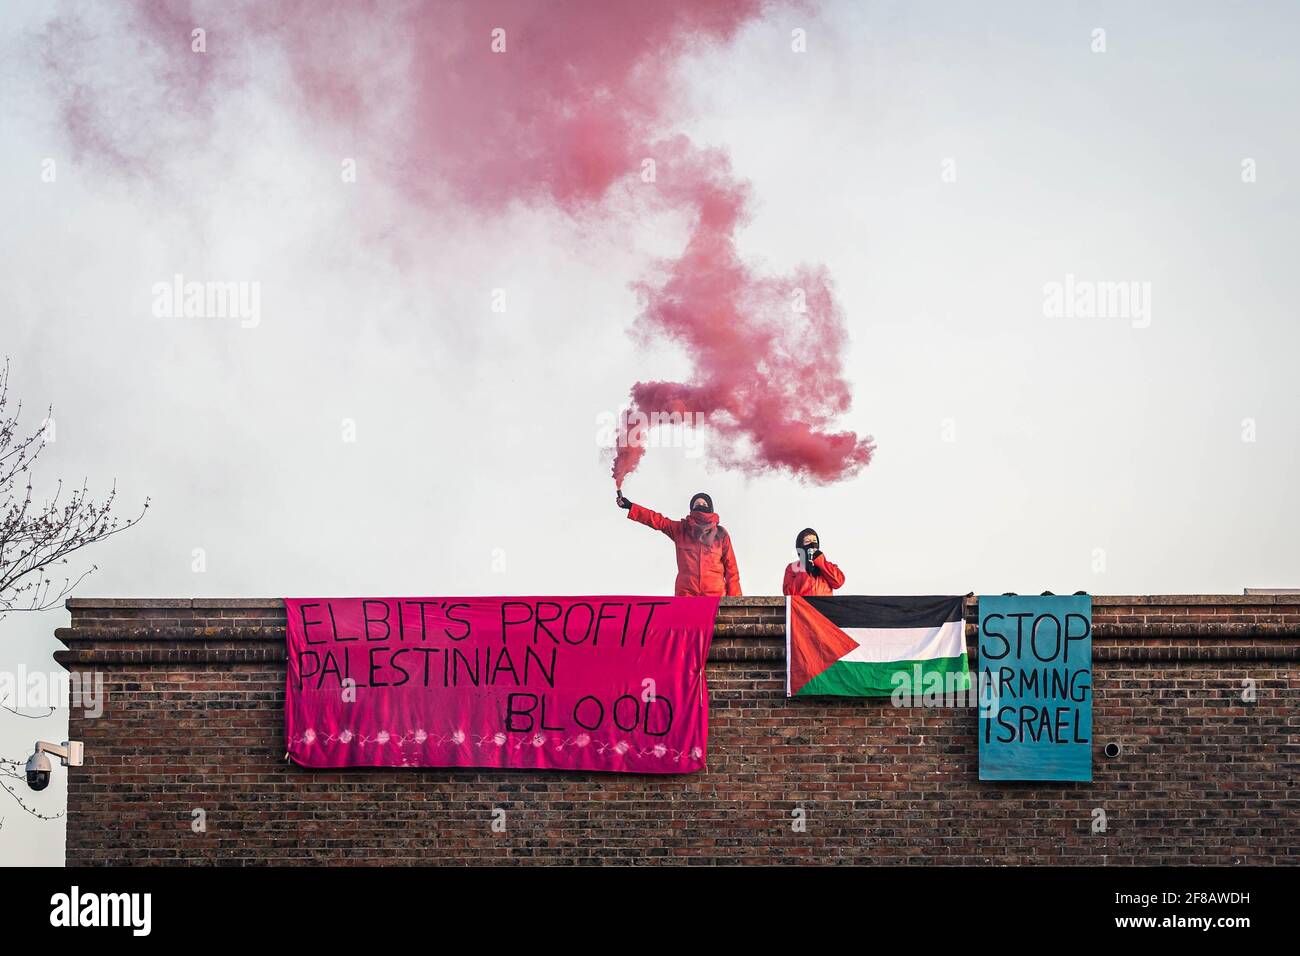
(878, 678)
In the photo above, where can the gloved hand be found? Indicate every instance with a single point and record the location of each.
(623, 502)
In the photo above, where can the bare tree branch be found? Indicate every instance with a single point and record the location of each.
(19, 713)
(18, 771)
(35, 538)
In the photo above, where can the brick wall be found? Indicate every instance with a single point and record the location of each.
(194, 719)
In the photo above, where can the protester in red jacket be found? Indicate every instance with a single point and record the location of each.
(812, 573)
(706, 564)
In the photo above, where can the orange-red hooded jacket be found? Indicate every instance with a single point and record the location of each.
(799, 581)
(706, 564)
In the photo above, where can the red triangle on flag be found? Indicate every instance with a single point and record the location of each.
(815, 643)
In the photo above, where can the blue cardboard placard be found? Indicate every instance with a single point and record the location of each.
(1035, 687)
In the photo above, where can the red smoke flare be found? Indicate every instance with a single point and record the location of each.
(506, 101)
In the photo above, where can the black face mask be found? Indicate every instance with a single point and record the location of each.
(808, 554)
(706, 505)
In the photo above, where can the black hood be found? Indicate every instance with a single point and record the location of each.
(701, 494)
(798, 539)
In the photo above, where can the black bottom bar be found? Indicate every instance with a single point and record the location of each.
(916, 905)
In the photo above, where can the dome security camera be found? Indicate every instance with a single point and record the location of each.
(39, 764)
(38, 771)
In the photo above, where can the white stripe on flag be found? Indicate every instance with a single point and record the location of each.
(884, 644)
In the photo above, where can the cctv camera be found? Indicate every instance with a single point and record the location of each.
(38, 771)
(39, 765)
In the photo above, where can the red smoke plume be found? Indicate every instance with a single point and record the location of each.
(766, 351)
(506, 101)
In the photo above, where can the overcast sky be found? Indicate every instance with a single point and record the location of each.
(947, 162)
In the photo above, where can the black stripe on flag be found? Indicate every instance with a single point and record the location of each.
(855, 611)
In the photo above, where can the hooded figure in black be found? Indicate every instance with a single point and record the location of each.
(811, 573)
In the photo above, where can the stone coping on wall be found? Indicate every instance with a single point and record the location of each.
(274, 603)
(1170, 627)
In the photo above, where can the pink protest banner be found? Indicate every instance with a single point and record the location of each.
(564, 683)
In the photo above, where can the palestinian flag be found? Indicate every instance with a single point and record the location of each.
(855, 646)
